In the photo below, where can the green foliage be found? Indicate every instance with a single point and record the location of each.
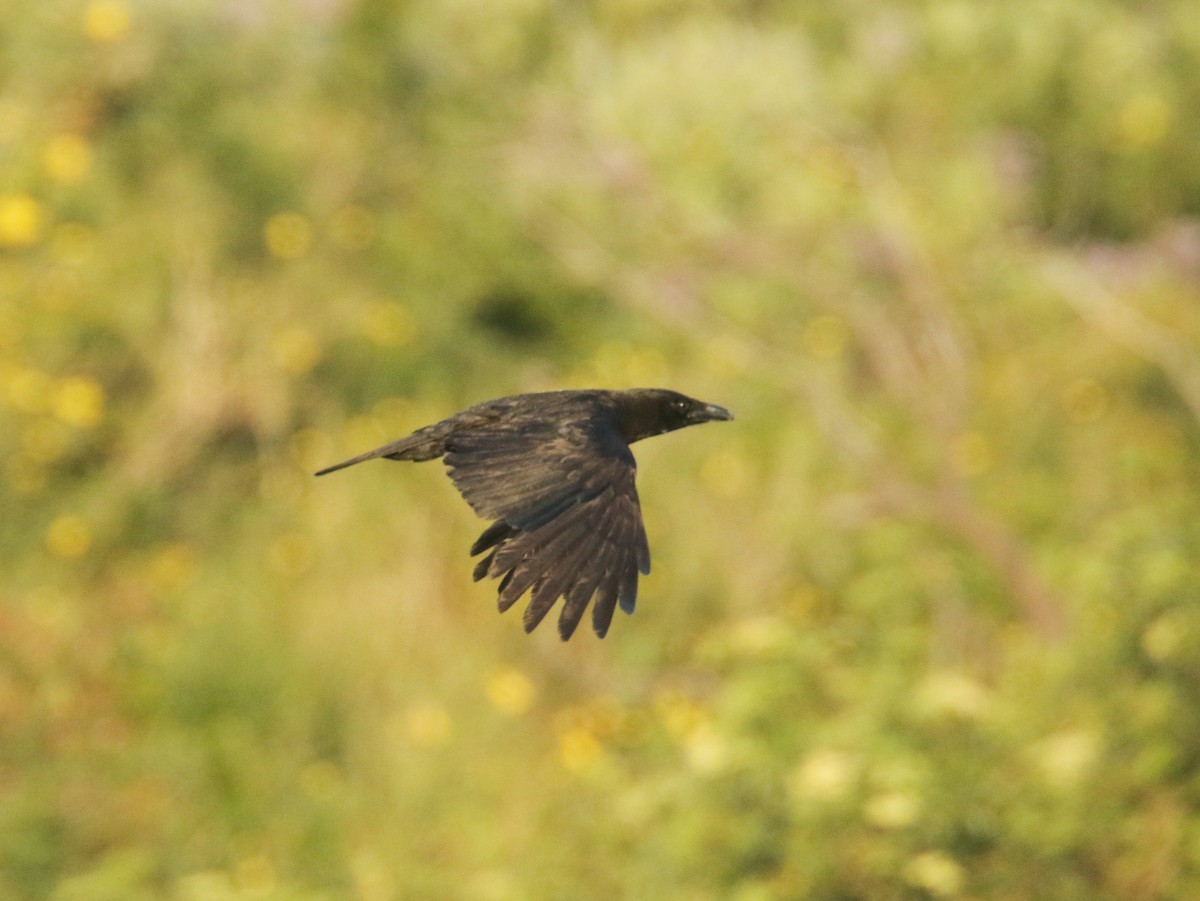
(923, 621)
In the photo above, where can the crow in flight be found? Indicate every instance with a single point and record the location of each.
(555, 474)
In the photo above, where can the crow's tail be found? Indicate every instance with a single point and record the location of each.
(423, 444)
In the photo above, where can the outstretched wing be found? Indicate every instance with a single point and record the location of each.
(567, 520)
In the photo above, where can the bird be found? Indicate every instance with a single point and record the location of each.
(554, 472)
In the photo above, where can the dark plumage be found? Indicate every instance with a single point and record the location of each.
(555, 474)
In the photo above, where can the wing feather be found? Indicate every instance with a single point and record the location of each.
(566, 517)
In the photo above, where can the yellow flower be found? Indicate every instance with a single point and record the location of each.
(288, 235)
(1067, 757)
(824, 775)
(69, 537)
(510, 691)
(936, 872)
(706, 750)
(105, 21)
(579, 749)
(79, 402)
(67, 158)
(21, 220)
(949, 695)
(892, 810)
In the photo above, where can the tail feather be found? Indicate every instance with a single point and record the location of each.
(423, 444)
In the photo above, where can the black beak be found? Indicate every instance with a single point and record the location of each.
(709, 413)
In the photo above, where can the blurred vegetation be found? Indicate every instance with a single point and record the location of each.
(923, 621)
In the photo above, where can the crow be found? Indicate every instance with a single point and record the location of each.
(554, 472)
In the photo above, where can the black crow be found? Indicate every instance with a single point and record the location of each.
(555, 473)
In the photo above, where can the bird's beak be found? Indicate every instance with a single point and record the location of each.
(709, 413)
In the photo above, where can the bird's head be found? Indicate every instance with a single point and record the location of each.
(644, 412)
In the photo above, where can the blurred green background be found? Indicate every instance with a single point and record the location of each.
(923, 621)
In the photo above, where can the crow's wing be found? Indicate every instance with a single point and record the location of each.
(567, 520)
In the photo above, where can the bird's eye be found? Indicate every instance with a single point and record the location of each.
(679, 406)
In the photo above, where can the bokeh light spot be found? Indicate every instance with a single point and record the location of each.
(705, 749)
(1066, 757)
(949, 694)
(79, 401)
(510, 691)
(579, 749)
(892, 810)
(21, 220)
(106, 21)
(69, 537)
(826, 774)
(936, 872)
